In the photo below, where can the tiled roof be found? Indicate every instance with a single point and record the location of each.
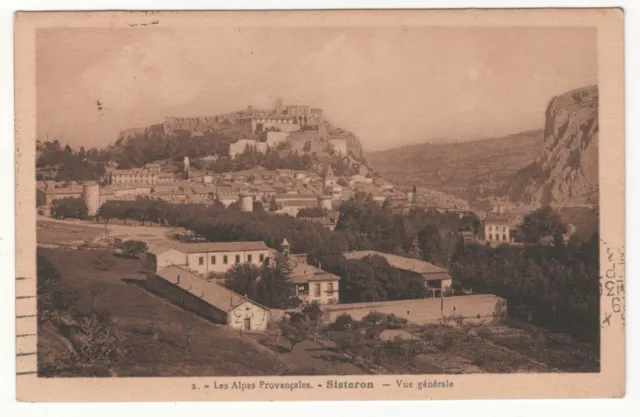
(283, 196)
(220, 247)
(213, 294)
(302, 272)
(496, 219)
(157, 249)
(298, 203)
(400, 262)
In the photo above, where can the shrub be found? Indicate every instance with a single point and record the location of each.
(374, 318)
(134, 248)
(344, 322)
(69, 207)
(395, 322)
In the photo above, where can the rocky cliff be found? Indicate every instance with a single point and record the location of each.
(566, 170)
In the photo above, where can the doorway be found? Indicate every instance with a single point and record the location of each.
(247, 325)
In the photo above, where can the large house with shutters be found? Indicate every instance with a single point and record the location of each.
(496, 229)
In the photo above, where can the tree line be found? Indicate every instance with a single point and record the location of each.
(554, 284)
(81, 165)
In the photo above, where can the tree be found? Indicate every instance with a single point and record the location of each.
(302, 325)
(415, 251)
(273, 206)
(312, 212)
(471, 222)
(134, 248)
(540, 223)
(265, 285)
(69, 207)
(106, 212)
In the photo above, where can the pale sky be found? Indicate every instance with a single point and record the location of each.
(390, 86)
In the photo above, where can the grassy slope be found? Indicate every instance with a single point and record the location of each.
(455, 168)
(212, 350)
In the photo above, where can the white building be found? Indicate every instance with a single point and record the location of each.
(313, 284)
(210, 257)
(496, 229)
(209, 299)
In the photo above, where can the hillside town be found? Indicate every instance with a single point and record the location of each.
(288, 253)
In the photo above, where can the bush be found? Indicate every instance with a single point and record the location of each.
(69, 207)
(344, 322)
(374, 319)
(384, 321)
(395, 322)
(134, 248)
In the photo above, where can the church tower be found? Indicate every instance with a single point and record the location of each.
(328, 179)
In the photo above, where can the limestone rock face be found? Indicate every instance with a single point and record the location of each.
(566, 171)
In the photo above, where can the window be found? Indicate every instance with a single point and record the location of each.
(490, 237)
(201, 260)
(237, 259)
(316, 290)
(249, 258)
(490, 227)
(261, 257)
(504, 237)
(330, 288)
(213, 260)
(225, 259)
(504, 229)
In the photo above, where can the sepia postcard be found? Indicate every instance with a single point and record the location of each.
(319, 205)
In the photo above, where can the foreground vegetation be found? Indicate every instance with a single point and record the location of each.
(97, 319)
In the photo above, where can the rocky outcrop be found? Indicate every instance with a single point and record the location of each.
(566, 171)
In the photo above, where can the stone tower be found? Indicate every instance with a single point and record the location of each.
(91, 197)
(278, 107)
(324, 202)
(246, 202)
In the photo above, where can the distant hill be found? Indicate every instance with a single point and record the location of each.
(472, 171)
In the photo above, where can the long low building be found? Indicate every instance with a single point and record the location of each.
(208, 257)
(478, 307)
(436, 279)
(209, 299)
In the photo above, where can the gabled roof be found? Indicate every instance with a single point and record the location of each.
(496, 219)
(211, 293)
(220, 247)
(302, 272)
(157, 249)
(297, 203)
(402, 262)
(328, 173)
